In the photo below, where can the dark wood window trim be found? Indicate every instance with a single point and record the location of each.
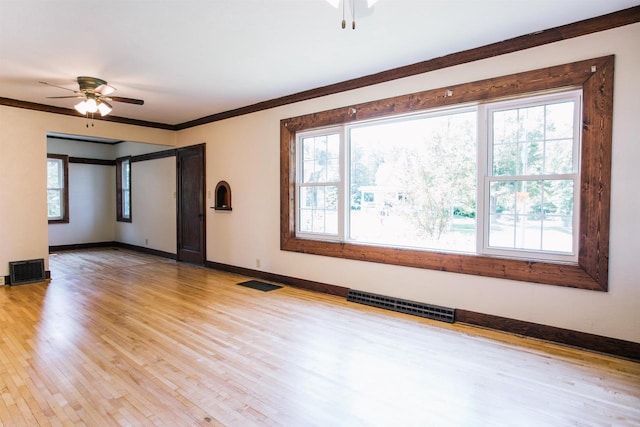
(594, 76)
(119, 205)
(65, 193)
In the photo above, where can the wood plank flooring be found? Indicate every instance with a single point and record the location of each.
(121, 338)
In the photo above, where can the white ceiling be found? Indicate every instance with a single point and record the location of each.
(193, 58)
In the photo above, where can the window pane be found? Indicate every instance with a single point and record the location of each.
(559, 156)
(518, 141)
(531, 215)
(506, 127)
(535, 215)
(514, 216)
(54, 203)
(413, 182)
(502, 214)
(533, 140)
(319, 209)
(558, 216)
(504, 159)
(559, 120)
(321, 158)
(126, 174)
(54, 173)
(55, 188)
(560, 138)
(126, 203)
(531, 124)
(123, 190)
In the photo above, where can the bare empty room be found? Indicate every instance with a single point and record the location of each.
(321, 212)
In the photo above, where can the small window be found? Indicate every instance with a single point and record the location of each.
(58, 188)
(123, 189)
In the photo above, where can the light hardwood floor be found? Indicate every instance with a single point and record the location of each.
(120, 338)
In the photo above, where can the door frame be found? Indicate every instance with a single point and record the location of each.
(203, 201)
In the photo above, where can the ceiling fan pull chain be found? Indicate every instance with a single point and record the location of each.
(344, 22)
(353, 14)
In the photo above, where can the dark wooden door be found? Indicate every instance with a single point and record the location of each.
(190, 196)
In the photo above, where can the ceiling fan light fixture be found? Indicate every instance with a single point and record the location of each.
(93, 93)
(104, 108)
(92, 105)
(81, 107)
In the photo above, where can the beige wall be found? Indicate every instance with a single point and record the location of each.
(244, 151)
(92, 210)
(153, 206)
(23, 156)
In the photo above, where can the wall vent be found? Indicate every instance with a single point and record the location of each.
(403, 306)
(21, 272)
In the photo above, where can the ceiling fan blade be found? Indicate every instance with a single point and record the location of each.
(126, 100)
(104, 89)
(60, 97)
(60, 87)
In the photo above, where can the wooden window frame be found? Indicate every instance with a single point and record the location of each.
(593, 76)
(119, 205)
(65, 192)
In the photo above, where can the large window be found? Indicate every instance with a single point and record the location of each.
(57, 188)
(412, 181)
(505, 178)
(123, 189)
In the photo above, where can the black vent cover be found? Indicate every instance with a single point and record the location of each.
(403, 306)
(29, 271)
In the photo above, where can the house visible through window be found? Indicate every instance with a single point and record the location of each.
(57, 188)
(123, 189)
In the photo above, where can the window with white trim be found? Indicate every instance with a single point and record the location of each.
(532, 178)
(319, 183)
(495, 178)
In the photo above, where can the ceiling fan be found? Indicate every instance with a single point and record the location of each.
(95, 95)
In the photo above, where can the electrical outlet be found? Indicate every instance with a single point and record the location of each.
(1, 280)
(257, 262)
(146, 242)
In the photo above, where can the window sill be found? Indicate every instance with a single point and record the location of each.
(552, 273)
(58, 221)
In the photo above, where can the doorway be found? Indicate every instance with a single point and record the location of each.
(190, 195)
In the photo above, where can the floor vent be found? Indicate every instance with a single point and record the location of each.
(403, 306)
(21, 272)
